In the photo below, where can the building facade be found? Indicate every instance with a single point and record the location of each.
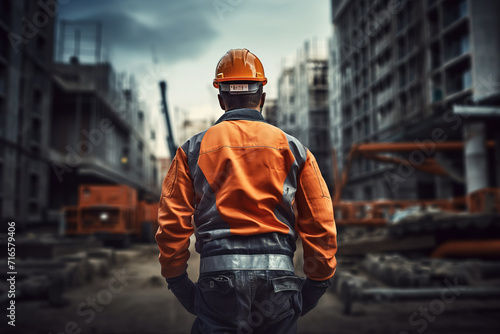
(26, 44)
(404, 65)
(286, 104)
(100, 133)
(62, 125)
(303, 102)
(270, 111)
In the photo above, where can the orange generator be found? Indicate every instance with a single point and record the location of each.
(112, 212)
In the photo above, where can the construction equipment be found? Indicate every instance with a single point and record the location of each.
(113, 213)
(170, 138)
(473, 248)
(378, 212)
(350, 293)
(405, 243)
(383, 278)
(172, 148)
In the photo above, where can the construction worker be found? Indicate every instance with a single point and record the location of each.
(240, 179)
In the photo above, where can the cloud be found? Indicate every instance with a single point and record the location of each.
(177, 29)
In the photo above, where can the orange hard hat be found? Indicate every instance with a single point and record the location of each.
(239, 65)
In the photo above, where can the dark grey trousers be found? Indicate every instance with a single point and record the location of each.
(247, 301)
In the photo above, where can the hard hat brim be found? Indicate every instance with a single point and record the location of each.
(216, 81)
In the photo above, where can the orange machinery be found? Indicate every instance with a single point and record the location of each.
(376, 213)
(112, 211)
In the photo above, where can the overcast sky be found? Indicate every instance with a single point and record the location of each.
(190, 36)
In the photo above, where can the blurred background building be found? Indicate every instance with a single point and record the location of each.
(189, 126)
(98, 122)
(286, 105)
(303, 102)
(25, 109)
(270, 111)
(65, 123)
(403, 65)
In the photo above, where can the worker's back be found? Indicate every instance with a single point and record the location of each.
(245, 173)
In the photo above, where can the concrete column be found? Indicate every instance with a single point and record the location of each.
(475, 155)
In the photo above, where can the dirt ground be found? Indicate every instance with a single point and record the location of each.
(135, 300)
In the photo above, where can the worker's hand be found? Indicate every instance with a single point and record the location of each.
(183, 288)
(311, 293)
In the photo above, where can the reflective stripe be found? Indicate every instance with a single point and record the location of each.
(246, 262)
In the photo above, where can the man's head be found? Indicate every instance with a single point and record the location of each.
(239, 76)
(231, 97)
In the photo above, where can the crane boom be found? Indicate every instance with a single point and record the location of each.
(170, 139)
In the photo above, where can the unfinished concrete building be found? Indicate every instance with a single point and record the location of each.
(62, 125)
(286, 104)
(270, 111)
(303, 102)
(99, 133)
(404, 67)
(26, 44)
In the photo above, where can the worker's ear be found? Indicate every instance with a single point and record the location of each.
(221, 102)
(262, 101)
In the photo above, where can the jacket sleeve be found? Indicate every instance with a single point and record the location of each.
(315, 223)
(175, 210)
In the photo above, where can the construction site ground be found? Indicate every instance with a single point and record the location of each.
(146, 306)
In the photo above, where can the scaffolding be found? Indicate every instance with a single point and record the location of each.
(80, 40)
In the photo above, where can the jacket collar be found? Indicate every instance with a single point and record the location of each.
(241, 114)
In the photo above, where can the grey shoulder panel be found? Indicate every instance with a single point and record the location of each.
(192, 149)
(299, 151)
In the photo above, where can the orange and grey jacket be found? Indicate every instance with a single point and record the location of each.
(239, 180)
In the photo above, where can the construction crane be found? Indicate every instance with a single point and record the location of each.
(170, 138)
(172, 148)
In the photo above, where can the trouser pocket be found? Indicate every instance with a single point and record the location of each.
(286, 297)
(215, 297)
